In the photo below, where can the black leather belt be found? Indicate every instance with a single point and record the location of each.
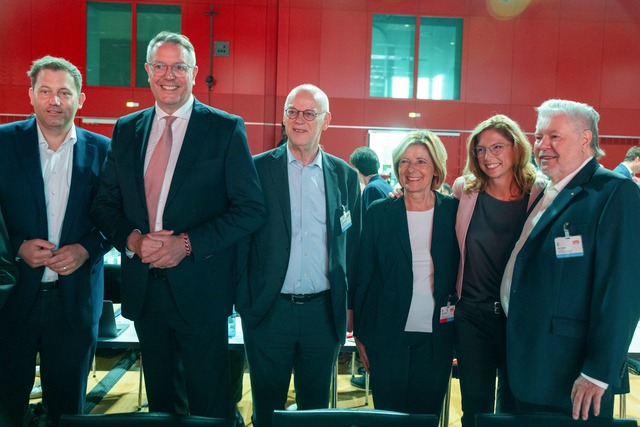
(494, 306)
(303, 298)
(49, 286)
(158, 273)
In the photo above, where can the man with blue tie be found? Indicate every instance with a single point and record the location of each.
(177, 191)
(293, 303)
(49, 171)
(630, 166)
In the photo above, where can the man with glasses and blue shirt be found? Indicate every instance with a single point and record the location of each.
(293, 303)
(177, 192)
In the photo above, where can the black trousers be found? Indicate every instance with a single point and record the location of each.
(298, 338)
(482, 353)
(65, 361)
(186, 367)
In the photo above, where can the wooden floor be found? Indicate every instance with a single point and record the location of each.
(123, 396)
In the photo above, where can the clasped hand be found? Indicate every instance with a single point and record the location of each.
(64, 261)
(161, 248)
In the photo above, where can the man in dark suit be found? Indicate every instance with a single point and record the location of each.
(630, 166)
(293, 304)
(178, 275)
(49, 172)
(569, 289)
(366, 162)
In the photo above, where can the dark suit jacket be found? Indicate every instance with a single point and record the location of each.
(214, 197)
(385, 274)
(623, 170)
(572, 315)
(271, 244)
(8, 270)
(24, 207)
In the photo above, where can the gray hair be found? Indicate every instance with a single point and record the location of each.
(583, 116)
(175, 38)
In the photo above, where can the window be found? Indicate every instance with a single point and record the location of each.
(109, 40)
(393, 57)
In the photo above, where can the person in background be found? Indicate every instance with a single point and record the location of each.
(405, 293)
(8, 269)
(630, 166)
(366, 162)
(49, 171)
(177, 192)
(445, 189)
(293, 306)
(498, 186)
(569, 285)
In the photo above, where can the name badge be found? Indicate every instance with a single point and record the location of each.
(345, 219)
(568, 246)
(446, 313)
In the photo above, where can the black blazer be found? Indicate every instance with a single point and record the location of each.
(572, 315)
(24, 207)
(269, 247)
(8, 270)
(385, 274)
(214, 196)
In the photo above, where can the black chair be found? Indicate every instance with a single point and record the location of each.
(142, 419)
(548, 420)
(351, 418)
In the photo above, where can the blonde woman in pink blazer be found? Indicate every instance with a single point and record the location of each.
(498, 187)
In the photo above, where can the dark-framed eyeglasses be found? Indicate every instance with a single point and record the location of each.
(308, 115)
(495, 149)
(160, 68)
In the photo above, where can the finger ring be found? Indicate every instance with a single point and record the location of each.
(64, 268)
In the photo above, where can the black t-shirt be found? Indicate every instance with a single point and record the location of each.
(490, 238)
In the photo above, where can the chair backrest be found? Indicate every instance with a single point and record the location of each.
(351, 418)
(142, 419)
(548, 420)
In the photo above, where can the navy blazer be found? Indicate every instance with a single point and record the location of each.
(214, 197)
(24, 207)
(623, 170)
(270, 245)
(385, 274)
(572, 315)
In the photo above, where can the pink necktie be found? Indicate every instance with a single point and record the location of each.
(156, 169)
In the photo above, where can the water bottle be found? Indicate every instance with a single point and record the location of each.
(232, 324)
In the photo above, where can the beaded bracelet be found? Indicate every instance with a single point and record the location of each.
(187, 243)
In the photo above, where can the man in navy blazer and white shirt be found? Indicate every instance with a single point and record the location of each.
(48, 177)
(630, 165)
(570, 286)
(179, 273)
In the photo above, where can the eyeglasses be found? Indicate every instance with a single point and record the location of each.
(308, 115)
(178, 70)
(495, 149)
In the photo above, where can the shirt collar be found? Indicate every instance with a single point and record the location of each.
(563, 183)
(317, 161)
(70, 139)
(183, 112)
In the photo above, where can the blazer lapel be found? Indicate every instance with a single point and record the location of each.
(141, 141)
(28, 157)
(564, 198)
(397, 218)
(193, 140)
(278, 169)
(333, 198)
(83, 154)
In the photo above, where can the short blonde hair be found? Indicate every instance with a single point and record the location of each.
(436, 150)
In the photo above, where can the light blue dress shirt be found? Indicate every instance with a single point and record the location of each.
(308, 260)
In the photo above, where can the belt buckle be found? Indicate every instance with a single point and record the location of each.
(296, 301)
(496, 307)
